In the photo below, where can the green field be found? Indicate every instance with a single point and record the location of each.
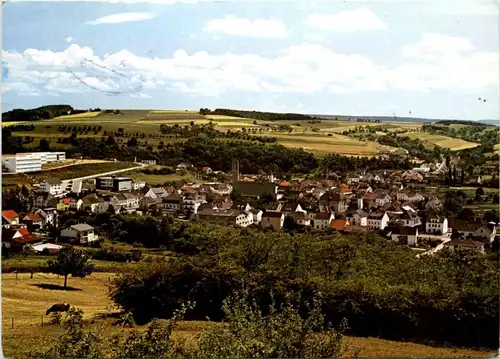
(25, 299)
(433, 140)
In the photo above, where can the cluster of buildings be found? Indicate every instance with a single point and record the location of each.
(397, 205)
(30, 161)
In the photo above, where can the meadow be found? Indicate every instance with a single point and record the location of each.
(25, 300)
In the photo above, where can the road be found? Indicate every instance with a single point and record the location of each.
(77, 182)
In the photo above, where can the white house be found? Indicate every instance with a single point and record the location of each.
(360, 218)
(90, 203)
(256, 215)
(156, 192)
(301, 218)
(405, 235)
(126, 201)
(52, 186)
(75, 204)
(436, 223)
(378, 220)
(484, 232)
(226, 217)
(321, 220)
(81, 233)
(138, 184)
(272, 220)
(171, 203)
(49, 216)
(191, 201)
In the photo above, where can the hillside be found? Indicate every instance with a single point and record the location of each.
(36, 114)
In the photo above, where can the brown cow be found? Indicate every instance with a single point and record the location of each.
(60, 307)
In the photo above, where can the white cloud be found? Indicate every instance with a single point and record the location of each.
(436, 62)
(123, 17)
(140, 95)
(345, 21)
(235, 26)
(438, 44)
(68, 39)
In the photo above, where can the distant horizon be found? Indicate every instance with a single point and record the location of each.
(260, 110)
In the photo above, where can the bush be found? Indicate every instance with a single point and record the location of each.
(282, 333)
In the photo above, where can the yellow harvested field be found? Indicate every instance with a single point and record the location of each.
(454, 144)
(26, 300)
(173, 122)
(5, 124)
(322, 144)
(228, 118)
(78, 115)
(169, 112)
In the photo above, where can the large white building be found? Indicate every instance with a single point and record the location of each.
(30, 161)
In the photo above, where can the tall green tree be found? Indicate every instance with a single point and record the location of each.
(70, 261)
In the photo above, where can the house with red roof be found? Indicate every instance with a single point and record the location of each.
(33, 221)
(9, 218)
(340, 224)
(14, 238)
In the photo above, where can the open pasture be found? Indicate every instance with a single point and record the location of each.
(26, 300)
(454, 144)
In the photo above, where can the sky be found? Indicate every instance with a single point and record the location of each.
(433, 59)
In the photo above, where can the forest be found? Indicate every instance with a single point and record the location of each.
(258, 115)
(36, 114)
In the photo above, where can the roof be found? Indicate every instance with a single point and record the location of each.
(66, 200)
(32, 217)
(220, 213)
(464, 226)
(369, 196)
(173, 198)
(49, 246)
(91, 199)
(299, 215)
(255, 188)
(82, 227)
(339, 224)
(53, 181)
(322, 215)
(271, 214)
(409, 231)
(9, 215)
(376, 215)
(464, 243)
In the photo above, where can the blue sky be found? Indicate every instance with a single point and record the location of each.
(433, 59)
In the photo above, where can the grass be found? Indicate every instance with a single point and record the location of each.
(68, 172)
(78, 115)
(34, 261)
(454, 144)
(25, 301)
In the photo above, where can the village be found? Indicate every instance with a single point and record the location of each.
(399, 205)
